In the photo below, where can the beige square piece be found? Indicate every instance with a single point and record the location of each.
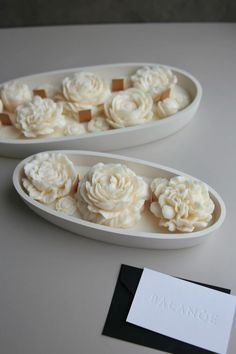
(40, 92)
(5, 119)
(117, 85)
(85, 115)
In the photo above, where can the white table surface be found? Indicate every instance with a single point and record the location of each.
(56, 287)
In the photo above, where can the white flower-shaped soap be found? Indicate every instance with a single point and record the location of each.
(98, 124)
(181, 96)
(128, 108)
(15, 93)
(83, 90)
(49, 177)
(41, 116)
(66, 205)
(154, 79)
(74, 129)
(167, 107)
(181, 203)
(112, 195)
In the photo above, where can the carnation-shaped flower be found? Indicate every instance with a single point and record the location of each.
(154, 79)
(15, 93)
(49, 176)
(41, 116)
(181, 203)
(112, 194)
(166, 108)
(128, 108)
(98, 124)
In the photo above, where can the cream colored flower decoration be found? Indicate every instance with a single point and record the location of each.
(49, 177)
(41, 116)
(181, 203)
(98, 124)
(166, 108)
(66, 205)
(128, 108)
(74, 129)
(154, 79)
(84, 90)
(112, 195)
(15, 93)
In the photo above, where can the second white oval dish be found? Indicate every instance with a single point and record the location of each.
(146, 233)
(110, 139)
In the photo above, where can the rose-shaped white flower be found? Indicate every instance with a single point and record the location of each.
(75, 129)
(181, 203)
(41, 116)
(181, 96)
(66, 205)
(128, 108)
(98, 124)
(15, 93)
(167, 107)
(112, 195)
(49, 176)
(154, 79)
(85, 88)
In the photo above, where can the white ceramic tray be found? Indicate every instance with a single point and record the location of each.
(134, 237)
(111, 139)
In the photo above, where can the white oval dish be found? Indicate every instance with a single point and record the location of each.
(133, 237)
(112, 139)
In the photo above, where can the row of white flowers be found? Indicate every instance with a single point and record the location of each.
(113, 195)
(138, 103)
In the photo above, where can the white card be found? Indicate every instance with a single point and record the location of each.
(182, 310)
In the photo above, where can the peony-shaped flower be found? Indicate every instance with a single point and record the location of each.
(83, 90)
(166, 108)
(154, 80)
(128, 108)
(41, 116)
(181, 203)
(49, 176)
(112, 194)
(15, 93)
(98, 124)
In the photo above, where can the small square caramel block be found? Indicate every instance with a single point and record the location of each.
(117, 85)
(5, 119)
(40, 92)
(85, 115)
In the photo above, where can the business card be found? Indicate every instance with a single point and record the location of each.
(182, 310)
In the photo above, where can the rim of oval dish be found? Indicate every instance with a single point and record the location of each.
(164, 121)
(121, 231)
